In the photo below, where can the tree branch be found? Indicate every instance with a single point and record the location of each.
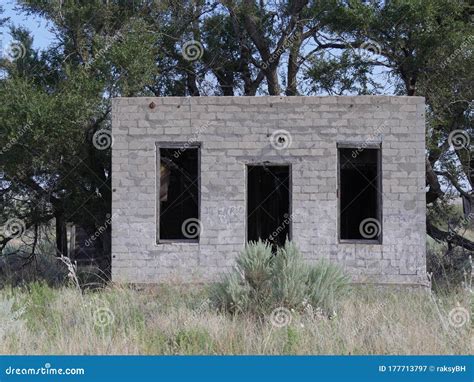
(448, 237)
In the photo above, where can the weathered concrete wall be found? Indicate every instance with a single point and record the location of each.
(235, 131)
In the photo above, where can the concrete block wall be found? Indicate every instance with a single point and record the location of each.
(236, 131)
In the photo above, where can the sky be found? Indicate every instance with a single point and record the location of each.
(37, 25)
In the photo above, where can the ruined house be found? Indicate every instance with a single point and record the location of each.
(196, 178)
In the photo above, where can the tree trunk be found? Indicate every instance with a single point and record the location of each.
(226, 82)
(61, 235)
(272, 81)
(451, 238)
(293, 67)
(191, 80)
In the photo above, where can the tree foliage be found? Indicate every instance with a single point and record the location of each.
(55, 100)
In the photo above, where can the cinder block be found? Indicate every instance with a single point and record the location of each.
(236, 131)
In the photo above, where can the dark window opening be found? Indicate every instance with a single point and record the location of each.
(268, 203)
(179, 194)
(360, 194)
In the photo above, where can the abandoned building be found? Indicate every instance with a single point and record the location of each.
(196, 178)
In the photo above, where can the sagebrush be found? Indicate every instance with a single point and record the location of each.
(265, 279)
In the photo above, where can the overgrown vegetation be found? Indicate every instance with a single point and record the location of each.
(450, 265)
(264, 280)
(236, 315)
(54, 102)
(18, 267)
(180, 320)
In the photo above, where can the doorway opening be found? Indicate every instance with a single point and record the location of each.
(268, 203)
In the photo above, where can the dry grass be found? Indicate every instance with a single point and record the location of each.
(169, 320)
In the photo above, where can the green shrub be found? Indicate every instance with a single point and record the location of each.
(263, 281)
(10, 318)
(192, 341)
(326, 283)
(292, 341)
(37, 300)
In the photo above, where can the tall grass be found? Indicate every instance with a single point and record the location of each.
(180, 320)
(45, 317)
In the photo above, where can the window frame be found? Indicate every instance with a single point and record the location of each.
(175, 145)
(356, 145)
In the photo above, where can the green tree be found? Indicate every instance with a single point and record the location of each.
(60, 102)
(424, 49)
(54, 102)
